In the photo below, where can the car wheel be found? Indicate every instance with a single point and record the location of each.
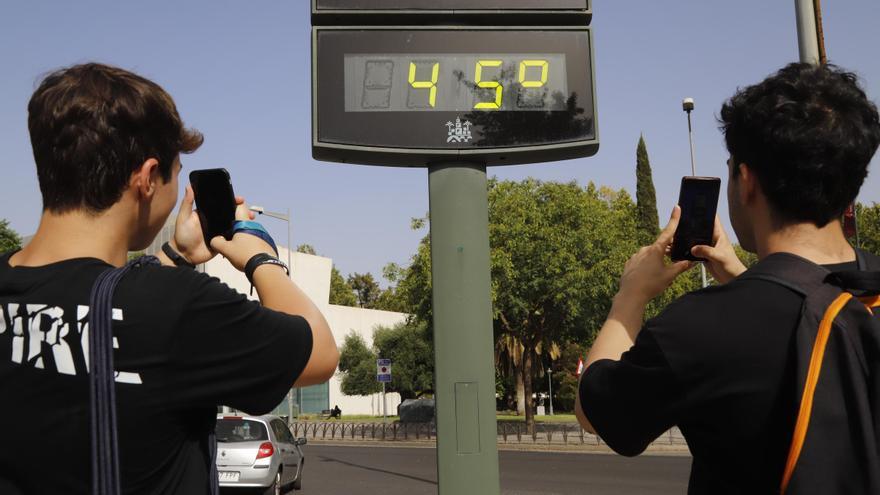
(298, 484)
(275, 488)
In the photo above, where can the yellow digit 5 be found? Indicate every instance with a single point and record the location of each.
(523, 67)
(499, 89)
(432, 84)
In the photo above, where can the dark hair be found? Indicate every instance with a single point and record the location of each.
(92, 125)
(808, 133)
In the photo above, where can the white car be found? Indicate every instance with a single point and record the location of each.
(258, 452)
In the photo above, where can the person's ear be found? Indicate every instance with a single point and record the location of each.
(748, 184)
(144, 180)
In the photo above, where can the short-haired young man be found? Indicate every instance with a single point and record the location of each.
(106, 144)
(719, 362)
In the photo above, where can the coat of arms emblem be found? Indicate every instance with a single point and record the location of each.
(459, 132)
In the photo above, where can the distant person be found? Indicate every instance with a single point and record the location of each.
(720, 362)
(336, 412)
(107, 147)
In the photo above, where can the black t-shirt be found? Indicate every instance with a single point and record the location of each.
(719, 363)
(186, 343)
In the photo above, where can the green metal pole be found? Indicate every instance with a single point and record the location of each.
(467, 436)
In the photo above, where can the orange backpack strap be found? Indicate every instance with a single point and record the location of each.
(806, 407)
(871, 302)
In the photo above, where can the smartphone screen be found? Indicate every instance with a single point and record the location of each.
(215, 201)
(698, 200)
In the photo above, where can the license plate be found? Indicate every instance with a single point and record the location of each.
(229, 476)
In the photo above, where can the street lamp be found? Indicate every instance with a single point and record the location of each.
(259, 210)
(550, 384)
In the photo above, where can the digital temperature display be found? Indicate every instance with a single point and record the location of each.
(415, 95)
(459, 82)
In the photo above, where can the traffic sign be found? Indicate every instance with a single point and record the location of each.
(383, 370)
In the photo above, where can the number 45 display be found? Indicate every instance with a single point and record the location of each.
(539, 81)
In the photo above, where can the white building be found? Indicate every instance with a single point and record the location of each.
(312, 274)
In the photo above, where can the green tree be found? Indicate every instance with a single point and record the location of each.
(341, 294)
(746, 257)
(365, 288)
(869, 227)
(357, 364)
(393, 299)
(306, 249)
(557, 251)
(415, 286)
(9, 238)
(412, 358)
(411, 354)
(646, 197)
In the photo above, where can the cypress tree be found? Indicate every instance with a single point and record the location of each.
(648, 223)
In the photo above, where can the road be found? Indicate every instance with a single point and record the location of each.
(343, 470)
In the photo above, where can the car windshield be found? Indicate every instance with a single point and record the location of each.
(231, 430)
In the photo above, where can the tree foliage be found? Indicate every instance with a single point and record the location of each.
(869, 227)
(357, 363)
(411, 354)
(646, 197)
(306, 249)
(556, 252)
(366, 289)
(412, 358)
(391, 298)
(9, 239)
(341, 294)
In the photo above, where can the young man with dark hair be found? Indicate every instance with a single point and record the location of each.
(719, 362)
(106, 144)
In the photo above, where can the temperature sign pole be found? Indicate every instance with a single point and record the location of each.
(455, 86)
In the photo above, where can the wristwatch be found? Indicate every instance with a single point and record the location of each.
(176, 257)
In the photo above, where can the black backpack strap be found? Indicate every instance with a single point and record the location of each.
(102, 384)
(803, 276)
(862, 261)
(865, 281)
(788, 270)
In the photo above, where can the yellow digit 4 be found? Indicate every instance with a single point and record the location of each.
(432, 84)
(499, 89)
(523, 67)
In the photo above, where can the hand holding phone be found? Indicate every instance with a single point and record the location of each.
(215, 202)
(698, 200)
(646, 274)
(721, 259)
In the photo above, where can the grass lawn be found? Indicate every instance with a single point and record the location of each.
(556, 418)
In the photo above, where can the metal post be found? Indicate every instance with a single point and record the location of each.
(808, 37)
(550, 386)
(290, 269)
(467, 450)
(694, 173)
(384, 405)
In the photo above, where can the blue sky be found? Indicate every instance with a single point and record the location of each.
(240, 73)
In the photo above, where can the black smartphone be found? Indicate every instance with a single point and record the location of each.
(698, 200)
(215, 201)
